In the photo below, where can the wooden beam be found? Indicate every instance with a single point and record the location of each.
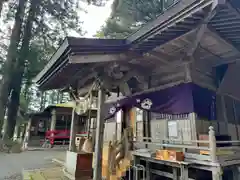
(96, 58)
(124, 89)
(229, 60)
(164, 58)
(201, 30)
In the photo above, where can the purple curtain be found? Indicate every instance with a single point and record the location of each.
(181, 99)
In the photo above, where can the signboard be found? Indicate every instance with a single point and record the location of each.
(172, 129)
(139, 114)
(119, 117)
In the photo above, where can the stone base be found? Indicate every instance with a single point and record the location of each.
(79, 165)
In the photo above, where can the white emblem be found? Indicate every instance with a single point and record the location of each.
(146, 104)
(112, 110)
(138, 100)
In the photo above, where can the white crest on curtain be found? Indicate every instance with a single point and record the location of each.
(112, 110)
(146, 104)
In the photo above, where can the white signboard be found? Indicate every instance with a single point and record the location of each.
(118, 117)
(172, 129)
(139, 115)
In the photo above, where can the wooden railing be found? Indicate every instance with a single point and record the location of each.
(226, 155)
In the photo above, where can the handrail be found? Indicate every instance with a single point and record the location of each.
(176, 146)
(173, 140)
(226, 142)
(211, 144)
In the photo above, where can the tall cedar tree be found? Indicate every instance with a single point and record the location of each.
(11, 58)
(45, 23)
(17, 77)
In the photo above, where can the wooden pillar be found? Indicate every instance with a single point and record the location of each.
(236, 173)
(53, 120)
(212, 144)
(93, 131)
(147, 118)
(216, 174)
(97, 174)
(125, 112)
(145, 127)
(72, 146)
(235, 118)
(193, 118)
(223, 107)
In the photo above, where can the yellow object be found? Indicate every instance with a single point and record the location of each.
(219, 152)
(87, 146)
(162, 154)
(133, 120)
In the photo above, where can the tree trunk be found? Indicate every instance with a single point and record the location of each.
(18, 75)
(10, 60)
(12, 113)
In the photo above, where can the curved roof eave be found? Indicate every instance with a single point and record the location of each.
(73, 45)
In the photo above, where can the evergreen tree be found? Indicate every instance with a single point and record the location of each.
(40, 26)
(128, 15)
(11, 59)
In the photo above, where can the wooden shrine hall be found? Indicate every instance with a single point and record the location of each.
(54, 122)
(181, 70)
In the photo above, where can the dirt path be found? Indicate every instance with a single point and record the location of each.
(11, 165)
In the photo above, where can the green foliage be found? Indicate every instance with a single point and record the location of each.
(55, 19)
(41, 31)
(129, 15)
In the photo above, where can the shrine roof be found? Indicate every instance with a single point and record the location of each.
(76, 46)
(169, 35)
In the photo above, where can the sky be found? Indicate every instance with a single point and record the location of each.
(92, 20)
(95, 18)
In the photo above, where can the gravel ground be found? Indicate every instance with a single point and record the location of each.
(11, 165)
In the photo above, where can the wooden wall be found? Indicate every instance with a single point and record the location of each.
(228, 119)
(188, 126)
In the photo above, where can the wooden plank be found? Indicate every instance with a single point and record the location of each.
(197, 157)
(75, 59)
(230, 163)
(229, 157)
(168, 162)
